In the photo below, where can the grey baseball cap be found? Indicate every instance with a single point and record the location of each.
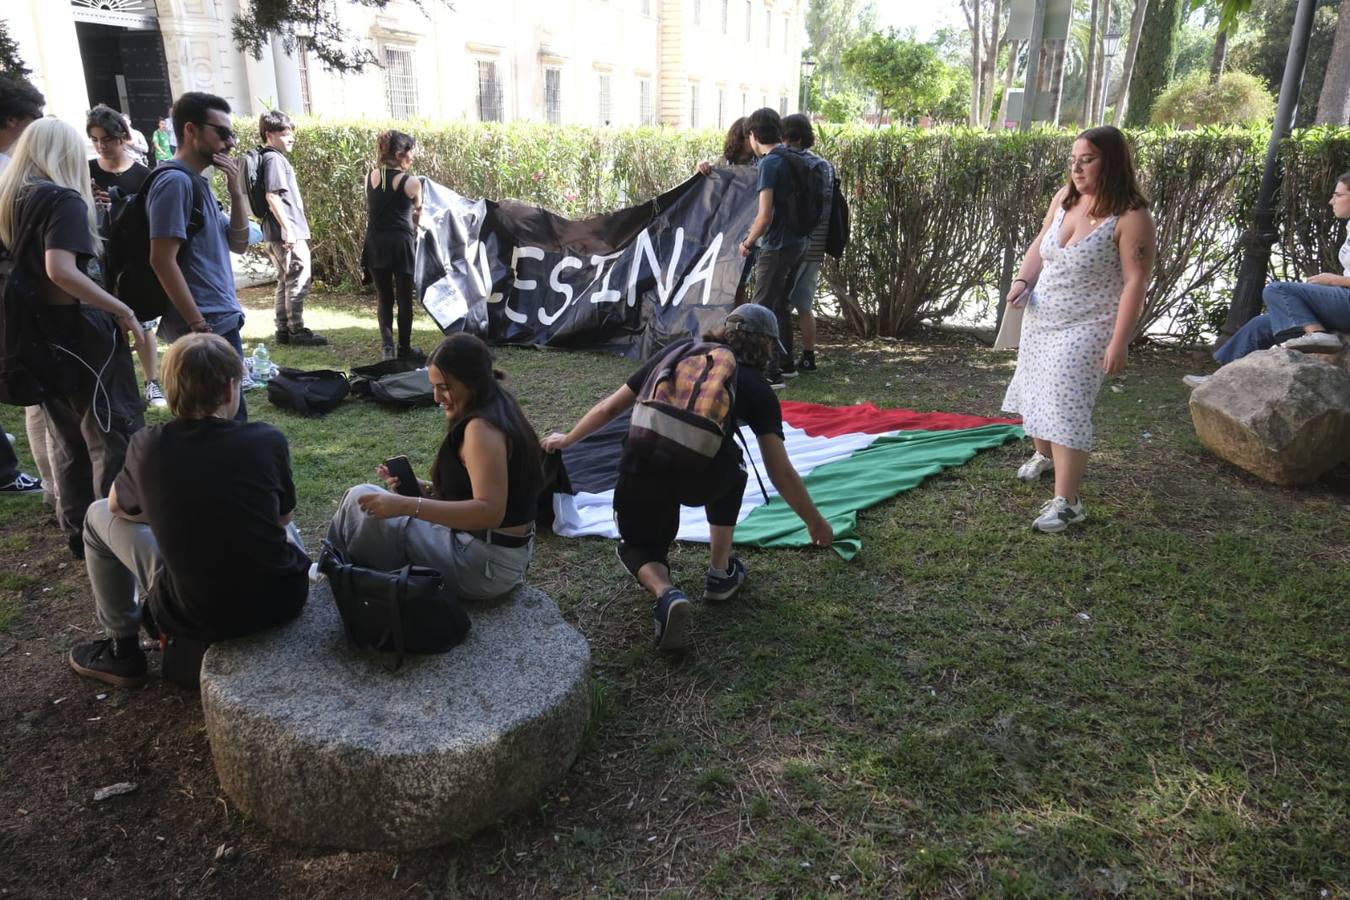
(751, 318)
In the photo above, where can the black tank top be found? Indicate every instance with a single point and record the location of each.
(450, 478)
(388, 208)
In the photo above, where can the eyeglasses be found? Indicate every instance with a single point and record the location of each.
(1076, 161)
(1341, 194)
(225, 133)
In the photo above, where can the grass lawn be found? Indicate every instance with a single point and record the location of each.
(1153, 704)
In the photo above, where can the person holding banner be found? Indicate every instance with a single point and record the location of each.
(393, 205)
(647, 503)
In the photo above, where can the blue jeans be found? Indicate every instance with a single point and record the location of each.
(1257, 334)
(1293, 304)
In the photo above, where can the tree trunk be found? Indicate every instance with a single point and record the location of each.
(1220, 56)
(1131, 52)
(976, 39)
(1090, 78)
(990, 65)
(1008, 75)
(1157, 58)
(1099, 89)
(1333, 106)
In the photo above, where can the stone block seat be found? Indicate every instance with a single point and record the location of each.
(324, 746)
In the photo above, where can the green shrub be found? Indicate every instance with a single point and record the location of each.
(940, 217)
(1235, 99)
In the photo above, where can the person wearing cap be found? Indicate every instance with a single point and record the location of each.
(647, 506)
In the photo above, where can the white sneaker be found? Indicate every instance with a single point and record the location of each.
(1057, 515)
(1194, 381)
(154, 395)
(1034, 468)
(1314, 342)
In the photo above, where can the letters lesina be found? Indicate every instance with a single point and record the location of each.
(625, 282)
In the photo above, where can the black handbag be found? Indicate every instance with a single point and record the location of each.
(308, 393)
(411, 610)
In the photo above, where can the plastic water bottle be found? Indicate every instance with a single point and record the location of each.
(261, 364)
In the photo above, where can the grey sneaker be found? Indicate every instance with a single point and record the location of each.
(1314, 342)
(154, 395)
(672, 620)
(1194, 381)
(1057, 515)
(1034, 468)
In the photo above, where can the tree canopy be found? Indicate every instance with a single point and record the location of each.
(312, 25)
(909, 78)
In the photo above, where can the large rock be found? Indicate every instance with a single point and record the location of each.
(1280, 414)
(324, 746)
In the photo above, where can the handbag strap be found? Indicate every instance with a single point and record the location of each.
(398, 592)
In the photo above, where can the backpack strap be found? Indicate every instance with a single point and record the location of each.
(751, 460)
(195, 222)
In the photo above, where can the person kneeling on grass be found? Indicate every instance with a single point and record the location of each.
(200, 517)
(474, 520)
(647, 503)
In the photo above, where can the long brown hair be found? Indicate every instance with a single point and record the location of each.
(735, 150)
(1118, 190)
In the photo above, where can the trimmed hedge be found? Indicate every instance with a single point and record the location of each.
(940, 216)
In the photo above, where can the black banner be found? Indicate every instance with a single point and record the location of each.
(625, 282)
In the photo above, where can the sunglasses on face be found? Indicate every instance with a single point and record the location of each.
(224, 133)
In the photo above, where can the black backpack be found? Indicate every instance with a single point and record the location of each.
(803, 205)
(836, 239)
(126, 269)
(30, 370)
(403, 390)
(253, 181)
(308, 393)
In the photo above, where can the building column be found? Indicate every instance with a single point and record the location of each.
(261, 76)
(287, 73)
(45, 33)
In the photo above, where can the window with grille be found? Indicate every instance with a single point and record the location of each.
(603, 104)
(400, 83)
(782, 105)
(693, 106)
(768, 29)
(698, 12)
(749, 9)
(489, 92)
(553, 96)
(726, 12)
(306, 100)
(646, 108)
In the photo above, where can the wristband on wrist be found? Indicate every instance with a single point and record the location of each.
(418, 511)
(1023, 280)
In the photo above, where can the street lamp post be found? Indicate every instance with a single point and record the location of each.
(1110, 44)
(808, 67)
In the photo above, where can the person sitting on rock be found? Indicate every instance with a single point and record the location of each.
(474, 520)
(1303, 313)
(647, 502)
(200, 518)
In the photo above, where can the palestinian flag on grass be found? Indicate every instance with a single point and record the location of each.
(850, 457)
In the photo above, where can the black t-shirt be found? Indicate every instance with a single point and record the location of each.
(129, 181)
(214, 491)
(61, 223)
(756, 404)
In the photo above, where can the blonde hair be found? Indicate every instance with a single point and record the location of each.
(196, 374)
(48, 150)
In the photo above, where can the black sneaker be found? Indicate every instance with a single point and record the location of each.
(118, 661)
(672, 619)
(412, 354)
(283, 336)
(718, 586)
(808, 363)
(23, 483)
(303, 337)
(789, 369)
(775, 379)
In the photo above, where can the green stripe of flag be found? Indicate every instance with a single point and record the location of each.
(889, 466)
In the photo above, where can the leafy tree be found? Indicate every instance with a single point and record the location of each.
(844, 107)
(10, 62)
(1262, 48)
(907, 77)
(1156, 59)
(313, 25)
(831, 27)
(1235, 99)
(1333, 106)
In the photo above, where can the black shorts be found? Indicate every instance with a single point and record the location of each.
(647, 510)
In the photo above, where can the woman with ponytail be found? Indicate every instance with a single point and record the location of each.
(474, 520)
(393, 204)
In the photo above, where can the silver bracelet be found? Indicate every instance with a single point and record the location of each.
(418, 511)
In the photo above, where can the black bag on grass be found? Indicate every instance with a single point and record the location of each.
(363, 377)
(403, 390)
(411, 610)
(307, 393)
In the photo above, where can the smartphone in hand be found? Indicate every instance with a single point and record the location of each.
(401, 469)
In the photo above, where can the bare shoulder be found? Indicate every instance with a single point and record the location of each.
(412, 186)
(482, 433)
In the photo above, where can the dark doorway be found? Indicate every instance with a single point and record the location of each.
(124, 64)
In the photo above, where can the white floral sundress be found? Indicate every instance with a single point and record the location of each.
(1067, 326)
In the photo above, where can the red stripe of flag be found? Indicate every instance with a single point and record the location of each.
(831, 421)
